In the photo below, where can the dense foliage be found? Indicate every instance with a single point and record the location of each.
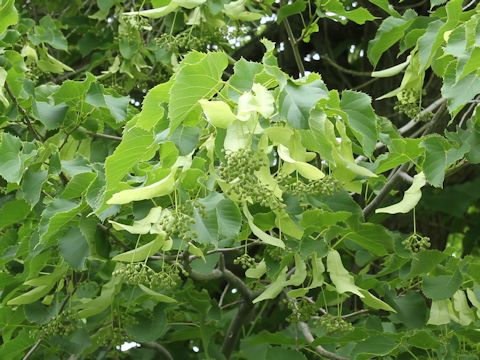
(215, 179)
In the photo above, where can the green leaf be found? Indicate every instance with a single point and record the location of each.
(199, 77)
(298, 98)
(8, 14)
(31, 296)
(274, 289)
(287, 10)
(429, 42)
(149, 327)
(152, 107)
(442, 286)
(341, 278)
(156, 295)
(48, 33)
(459, 93)
(411, 309)
(390, 31)
(372, 237)
(472, 64)
(3, 78)
(142, 252)
(11, 160)
(56, 215)
(243, 78)
(78, 185)
(410, 199)
(51, 116)
(32, 184)
(117, 105)
(137, 145)
(435, 162)
(13, 212)
(377, 345)
(374, 302)
(425, 262)
(229, 219)
(263, 236)
(99, 304)
(218, 113)
(205, 227)
(185, 139)
(358, 15)
(361, 119)
(42, 284)
(74, 248)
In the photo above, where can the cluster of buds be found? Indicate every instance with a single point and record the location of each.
(409, 104)
(416, 242)
(62, 325)
(245, 260)
(326, 186)
(301, 309)
(177, 223)
(334, 324)
(141, 274)
(238, 170)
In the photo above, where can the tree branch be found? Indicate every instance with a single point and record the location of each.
(235, 281)
(345, 70)
(26, 119)
(233, 332)
(389, 185)
(293, 43)
(396, 174)
(307, 334)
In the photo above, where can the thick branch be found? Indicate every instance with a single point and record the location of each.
(235, 281)
(233, 332)
(307, 334)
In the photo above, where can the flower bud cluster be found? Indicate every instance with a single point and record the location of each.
(114, 337)
(334, 324)
(300, 310)
(141, 274)
(178, 223)
(416, 243)
(238, 170)
(187, 41)
(245, 260)
(325, 186)
(62, 325)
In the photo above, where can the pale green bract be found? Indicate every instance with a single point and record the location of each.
(160, 188)
(410, 199)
